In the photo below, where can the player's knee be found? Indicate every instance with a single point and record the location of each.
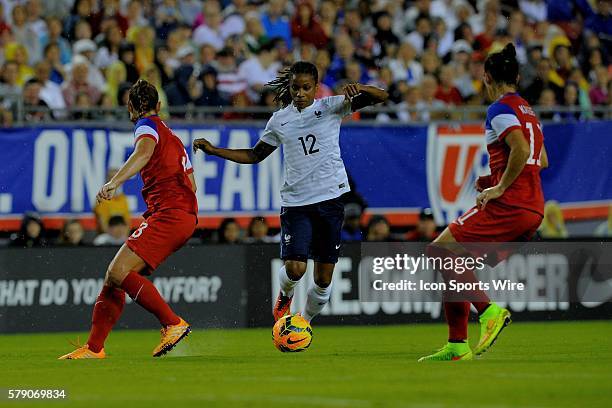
(114, 275)
(323, 281)
(295, 269)
(111, 279)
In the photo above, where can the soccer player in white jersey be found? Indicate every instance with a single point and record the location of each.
(314, 177)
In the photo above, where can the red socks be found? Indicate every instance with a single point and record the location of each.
(107, 309)
(456, 306)
(143, 292)
(478, 297)
(110, 302)
(457, 316)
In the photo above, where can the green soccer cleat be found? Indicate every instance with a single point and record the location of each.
(492, 322)
(450, 352)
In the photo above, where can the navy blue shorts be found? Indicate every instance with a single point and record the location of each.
(312, 231)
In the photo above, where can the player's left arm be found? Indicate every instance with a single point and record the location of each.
(193, 183)
(141, 156)
(543, 158)
(519, 153)
(361, 96)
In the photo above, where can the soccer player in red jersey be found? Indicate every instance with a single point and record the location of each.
(170, 219)
(510, 205)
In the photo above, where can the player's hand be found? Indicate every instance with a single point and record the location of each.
(203, 145)
(488, 194)
(352, 90)
(483, 182)
(107, 191)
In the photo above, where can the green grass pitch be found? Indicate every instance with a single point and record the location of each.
(532, 365)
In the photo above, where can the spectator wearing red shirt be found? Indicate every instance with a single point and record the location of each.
(109, 11)
(306, 27)
(5, 28)
(599, 90)
(484, 40)
(447, 92)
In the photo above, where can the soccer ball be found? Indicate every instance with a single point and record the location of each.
(292, 333)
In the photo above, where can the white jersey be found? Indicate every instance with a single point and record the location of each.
(313, 169)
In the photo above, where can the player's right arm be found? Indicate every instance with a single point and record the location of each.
(145, 146)
(519, 153)
(244, 156)
(263, 148)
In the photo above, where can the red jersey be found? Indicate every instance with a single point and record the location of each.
(165, 177)
(508, 113)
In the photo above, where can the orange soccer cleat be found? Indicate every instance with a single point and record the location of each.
(282, 306)
(83, 352)
(170, 336)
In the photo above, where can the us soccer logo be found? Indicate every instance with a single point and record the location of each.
(456, 157)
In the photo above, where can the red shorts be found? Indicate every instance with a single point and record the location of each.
(160, 235)
(496, 223)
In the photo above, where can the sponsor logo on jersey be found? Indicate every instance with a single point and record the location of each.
(456, 156)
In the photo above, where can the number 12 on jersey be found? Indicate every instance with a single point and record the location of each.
(311, 139)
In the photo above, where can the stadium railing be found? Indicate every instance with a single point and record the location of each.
(98, 116)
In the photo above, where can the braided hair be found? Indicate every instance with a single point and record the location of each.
(281, 84)
(503, 66)
(143, 97)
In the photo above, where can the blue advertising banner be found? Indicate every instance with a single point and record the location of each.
(397, 169)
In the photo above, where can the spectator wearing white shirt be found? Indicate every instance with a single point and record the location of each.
(445, 9)
(24, 33)
(50, 93)
(423, 31)
(108, 53)
(87, 48)
(534, 10)
(405, 67)
(116, 234)
(478, 21)
(428, 105)
(463, 10)
(234, 17)
(444, 36)
(189, 10)
(174, 44)
(411, 108)
(79, 82)
(259, 70)
(214, 31)
(418, 8)
(34, 11)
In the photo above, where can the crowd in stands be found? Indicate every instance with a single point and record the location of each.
(116, 230)
(428, 53)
